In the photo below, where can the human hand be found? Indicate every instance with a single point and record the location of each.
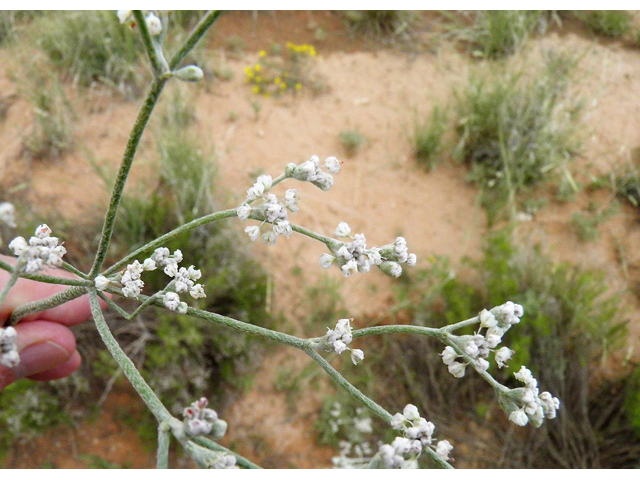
(46, 345)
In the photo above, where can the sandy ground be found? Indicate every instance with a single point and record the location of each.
(381, 191)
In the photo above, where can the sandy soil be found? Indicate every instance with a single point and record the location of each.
(380, 192)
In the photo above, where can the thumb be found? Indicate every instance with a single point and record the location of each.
(45, 348)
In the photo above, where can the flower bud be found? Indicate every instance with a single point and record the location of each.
(190, 73)
(392, 269)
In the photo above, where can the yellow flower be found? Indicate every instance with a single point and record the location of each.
(257, 67)
(298, 86)
(263, 53)
(256, 89)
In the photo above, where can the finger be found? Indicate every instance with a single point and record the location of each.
(60, 371)
(43, 346)
(26, 291)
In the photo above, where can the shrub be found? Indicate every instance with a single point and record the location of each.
(609, 23)
(427, 137)
(514, 132)
(378, 24)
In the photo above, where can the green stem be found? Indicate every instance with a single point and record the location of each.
(164, 438)
(125, 167)
(59, 298)
(115, 306)
(211, 445)
(70, 268)
(13, 278)
(161, 241)
(362, 398)
(131, 372)
(154, 52)
(194, 37)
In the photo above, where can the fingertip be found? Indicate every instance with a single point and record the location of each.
(61, 371)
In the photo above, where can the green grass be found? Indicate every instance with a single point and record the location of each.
(352, 141)
(627, 184)
(90, 46)
(378, 24)
(498, 33)
(516, 130)
(51, 133)
(586, 223)
(427, 137)
(608, 23)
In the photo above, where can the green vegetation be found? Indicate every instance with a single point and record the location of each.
(427, 137)
(90, 46)
(378, 24)
(352, 141)
(514, 131)
(571, 324)
(586, 224)
(609, 23)
(52, 133)
(498, 33)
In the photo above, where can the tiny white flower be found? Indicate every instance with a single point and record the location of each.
(197, 291)
(148, 265)
(244, 211)
(357, 355)
(349, 268)
(502, 356)
(101, 282)
(443, 448)
(256, 191)
(412, 259)
(326, 260)
(343, 230)
(487, 319)
(154, 25)
(265, 180)
(332, 164)
(411, 413)
(457, 369)
(182, 308)
(124, 15)
(339, 346)
(519, 417)
(253, 232)
(481, 365)
(393, 269)
(171, 300)
(8, 214)
(18, 246)
(449, 355)
(269, 238)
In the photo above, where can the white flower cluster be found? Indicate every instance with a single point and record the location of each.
(310, 171)
(271, 210)
(200, 420)
(337, 340)
(41, 250)
(495, 322)
(223, 461)
(184, 279)
(8, 214)
(418, 435)
(154, 25)
(356, 257)
(536, 406)
(9, 356)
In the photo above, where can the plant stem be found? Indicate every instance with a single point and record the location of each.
(154, 52)
(131, 372)
(164, 439)
(211, 445)
(362, 398)
(59, 298)
(47, 278)
(160, 241)
(125, 167)
(194, 37)
(13, 278)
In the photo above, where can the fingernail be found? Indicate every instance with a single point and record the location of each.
(39, 358)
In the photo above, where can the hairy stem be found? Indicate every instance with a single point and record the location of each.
(164, 439)
(211, 445)
(59, 298)
(194, 37)
(131, 372)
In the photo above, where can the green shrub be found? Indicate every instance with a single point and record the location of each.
(90, 46)
(497, 33)
(351, 141)
(427, 137)
(51, 134)
(609, 23)
(514, 131)
(378, 23)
